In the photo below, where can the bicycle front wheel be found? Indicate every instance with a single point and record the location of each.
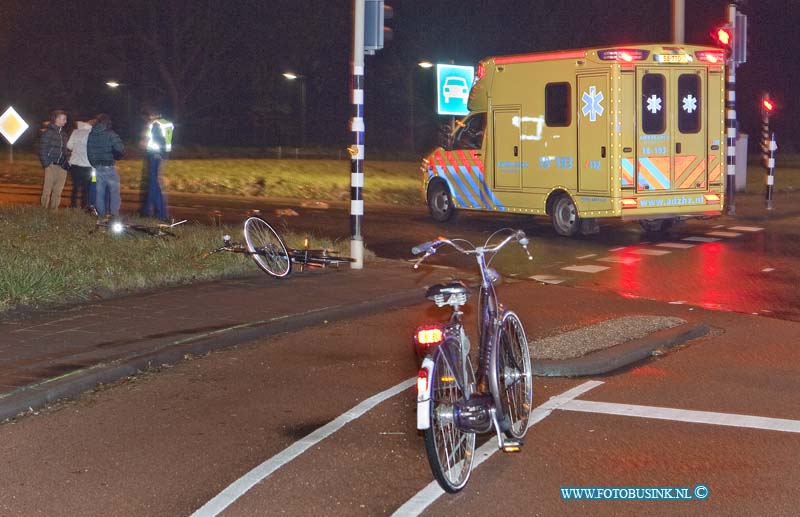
(266, 247)
(450, 450)
(514, 375)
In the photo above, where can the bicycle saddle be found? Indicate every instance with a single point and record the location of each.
(453, 293)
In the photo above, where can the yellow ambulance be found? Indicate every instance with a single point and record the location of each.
(634, 132)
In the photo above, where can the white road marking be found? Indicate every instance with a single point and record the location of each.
(768, 269)
(239, 487)
(590, 255)
(618, 249)
(620, 260)
(701, 239)
(655, 253)
(548, 279)
(745, 228)
(724, 234)
(586, 269)
(678, 245)
(428, 495)
(683, 415)
(719, 226)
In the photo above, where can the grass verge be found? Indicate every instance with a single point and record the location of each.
(390, 182)
(52, 258)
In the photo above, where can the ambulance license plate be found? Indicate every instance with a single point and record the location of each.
(672, 58)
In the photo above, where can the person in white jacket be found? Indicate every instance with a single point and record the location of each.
(79, 167)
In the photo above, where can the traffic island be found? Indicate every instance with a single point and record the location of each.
(610, 345)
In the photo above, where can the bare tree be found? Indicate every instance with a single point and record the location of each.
(185, 43)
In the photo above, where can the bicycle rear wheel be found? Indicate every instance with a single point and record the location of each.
(266, 247)
(450, 450)
(514, 375)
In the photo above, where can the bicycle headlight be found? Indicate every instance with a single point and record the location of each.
(117, 227)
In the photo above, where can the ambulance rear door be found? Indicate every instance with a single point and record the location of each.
(671, 140)
(593, 133)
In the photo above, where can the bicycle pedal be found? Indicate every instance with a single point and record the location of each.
(509, 446)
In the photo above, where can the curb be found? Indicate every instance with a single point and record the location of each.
(620, 356)
(73, 384)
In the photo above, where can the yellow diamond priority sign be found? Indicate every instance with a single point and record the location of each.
(12, 126)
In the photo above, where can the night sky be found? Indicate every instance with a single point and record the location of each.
(216, 66)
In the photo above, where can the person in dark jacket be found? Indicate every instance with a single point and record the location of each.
(103, 148)
(53, 156)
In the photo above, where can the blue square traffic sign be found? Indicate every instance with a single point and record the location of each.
(453, 83)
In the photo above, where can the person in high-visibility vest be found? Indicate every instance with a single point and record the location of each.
(157, 143)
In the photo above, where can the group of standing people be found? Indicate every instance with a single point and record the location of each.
(90, 153)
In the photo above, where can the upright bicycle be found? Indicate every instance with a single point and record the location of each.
(455, 402)
(268, 250)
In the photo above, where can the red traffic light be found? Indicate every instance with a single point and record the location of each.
(722, 35)
(768, 105)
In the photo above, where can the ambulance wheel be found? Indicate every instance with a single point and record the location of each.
(440, 202)
(655, 226)
(565, 217)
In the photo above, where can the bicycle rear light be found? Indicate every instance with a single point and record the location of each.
(430, 335)
(427, 337)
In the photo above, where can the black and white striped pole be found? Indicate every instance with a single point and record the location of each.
(768, 147)
(730, 123)
(357, 127)
(772, 146)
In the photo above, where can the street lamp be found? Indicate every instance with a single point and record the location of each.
(291, 76)
(114, 85)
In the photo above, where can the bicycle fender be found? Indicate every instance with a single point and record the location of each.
(424, 397)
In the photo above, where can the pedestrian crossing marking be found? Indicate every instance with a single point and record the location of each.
(724, 234)
(677, 245)
(746, 228)
(655, 253)
(590, 255)
(617, 249)
(768, 269)
(701, 239)
(586, 269)
(620, 260)
(548, 279)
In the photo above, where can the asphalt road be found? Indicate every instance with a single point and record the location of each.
(722, 411)
(170, 442)
(723, 263)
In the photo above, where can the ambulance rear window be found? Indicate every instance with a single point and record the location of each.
(557, 104)
(689, 102)
(653, 105)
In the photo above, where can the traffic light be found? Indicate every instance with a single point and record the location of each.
(375, 32)
(767, 105)
(723, 36)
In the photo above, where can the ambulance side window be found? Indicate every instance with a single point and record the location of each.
(653, 104)
(689, 102)
(557, 108)
(470, 132)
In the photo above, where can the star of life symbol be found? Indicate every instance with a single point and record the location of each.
(689, 103)
(592, 104)
(653, 104)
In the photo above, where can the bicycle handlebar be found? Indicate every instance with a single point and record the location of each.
(429, 248)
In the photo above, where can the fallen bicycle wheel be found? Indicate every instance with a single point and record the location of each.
(266, 247)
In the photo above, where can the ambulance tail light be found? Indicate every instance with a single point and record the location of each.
(629, 202)
(711, 199)
(623, 55)
(710, 56)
